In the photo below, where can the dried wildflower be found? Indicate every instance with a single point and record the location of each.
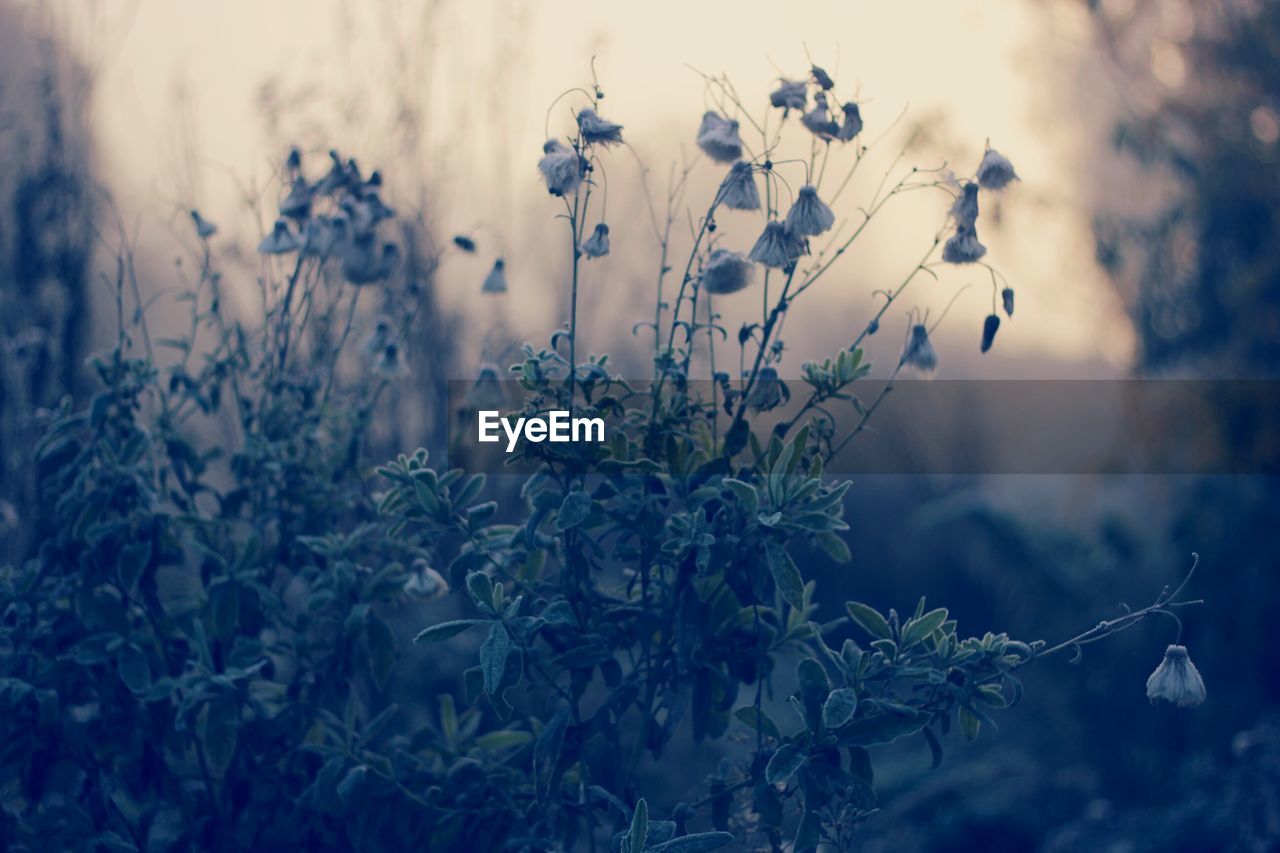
(319, 237)
(809, 215)
(818, 120)
(790, 95)
(465, 243)
(718, 138)
(293, 163)
(378, 338)
(726, 272)
(989, 328)
(963, 247)
(297, 204)
(1006, 297)
(204, 228)
(561, 168)
(496, 280)
(852, 124)
(738, 189)
(768, 391)
(777, 247)
(995, 172)
(426, 582)
(488, 391)
(1176, 679)
(965, 209)
(391, 363)
(362, 263)
(280, 241)
(597, 245)
(919, 352)
(822, 78)
(336, 178)
(596, 130)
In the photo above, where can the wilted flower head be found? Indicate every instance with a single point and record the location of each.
(390, 363)
(995, 172)
(293, 163)
(963, 247)
(1176, 679)
(297, 204)
(319, 237)
(496, 280)
(488, 391)
(425, 581)
(364, 263)
(726, 272)
(1006, 297)
(989, 328)
(809, 215)
(280, 241)
(596, 130)
(790, 95)
(738, 189)
(597, 245)
(965, 209)
(768, 392)
(822, 78)
(852, 124)
(561, 168)
(204, 228)
(919, 352)
(818, 120)
(378, 339)
(718, 138)
(777, 247)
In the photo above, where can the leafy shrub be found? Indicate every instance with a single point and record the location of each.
(203, 653)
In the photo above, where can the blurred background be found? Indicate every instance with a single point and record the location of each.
(1141, 242)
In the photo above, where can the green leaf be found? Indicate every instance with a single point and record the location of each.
(882, 728)
(697, 842)
(839, 707)
(132, 562)
(835, 546)
(573, 511)
(869, 619)
(785, 762)
(808, 833)
(135, 672)
(375, 726)
(480, 586)
(382, 648)
(918, 630)
(969, 724)
(546, 750)
(493, 657)
(502, 739)
(758, 720)
(639, 827)
(785, 575)
(445, 630)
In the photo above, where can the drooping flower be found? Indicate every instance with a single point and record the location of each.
(989, 328)
(597, 245)
(1006, 297)
(378, 338)
(852, 124)
(561, 168)
(965, 209)
(790, 95)
(391, 363)
(726, 272)
(362, 263)
(718, 137)
(496, 280)
(777, 247)
(297, 204)
(293, 163)
(768, 392)
(280, 241)
(919, 352)
(818, 120)
(809, 215)
(488, 391)
(336, 178)
(738, 189)
(596, 130)
(995, 172)
(425, 581)
(963, 247)
(319, 237)
(204, 228)
(822, 78)
(1176, 679)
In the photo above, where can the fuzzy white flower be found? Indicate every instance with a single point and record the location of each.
(496, 280)
(919, 352)
(963, 247)
(777, 247)
(596, 130)
(852, 124)
(809, 215)
(561, 168)
(280, 241)
(726, 272)
(597, 245)
(718, 138)
(790, 95)
(995, 172)
(1176, 679)
(738, 189)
